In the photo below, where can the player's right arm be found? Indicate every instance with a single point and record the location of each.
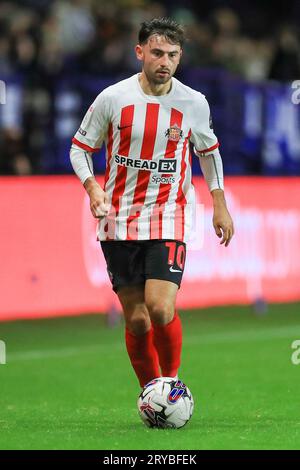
(88, 139)
(99, 201)
(82, 164)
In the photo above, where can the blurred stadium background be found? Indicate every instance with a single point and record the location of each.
(55, 57)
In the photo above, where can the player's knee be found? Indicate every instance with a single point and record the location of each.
(138, 324)
(161, 312)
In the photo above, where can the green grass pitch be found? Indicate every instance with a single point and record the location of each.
(68, 384)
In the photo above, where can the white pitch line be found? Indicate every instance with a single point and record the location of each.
(258, 334)
(50, 353)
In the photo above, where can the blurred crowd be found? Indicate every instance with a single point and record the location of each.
(42, 41)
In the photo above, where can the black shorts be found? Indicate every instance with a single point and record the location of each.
(133, 262)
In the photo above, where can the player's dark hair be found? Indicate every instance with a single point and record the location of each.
(170, 29)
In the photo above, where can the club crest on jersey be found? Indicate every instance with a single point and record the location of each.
(174, 133)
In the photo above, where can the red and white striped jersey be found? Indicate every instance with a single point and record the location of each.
(148, 160)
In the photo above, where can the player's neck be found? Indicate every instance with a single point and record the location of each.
(150, 88)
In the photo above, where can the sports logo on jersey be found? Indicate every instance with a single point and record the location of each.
(174, 133)
(124, 127)
(163, 165)
(157, 179)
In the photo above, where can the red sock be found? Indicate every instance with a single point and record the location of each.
(143, 356)
(168, 342)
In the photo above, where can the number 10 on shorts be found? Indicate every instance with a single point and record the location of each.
(176, 254)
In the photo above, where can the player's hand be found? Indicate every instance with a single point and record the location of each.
(222, 220)
(223, 225)
(99, 201)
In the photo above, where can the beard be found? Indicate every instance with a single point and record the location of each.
(158, 79)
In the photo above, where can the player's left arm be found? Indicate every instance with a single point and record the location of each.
(222, 221)
(206, 147)
(212, 169)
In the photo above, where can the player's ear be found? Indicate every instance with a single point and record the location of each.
(139, 52)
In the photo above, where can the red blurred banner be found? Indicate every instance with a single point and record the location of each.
(52, 265)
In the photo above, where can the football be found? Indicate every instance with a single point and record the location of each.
(165, 403)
